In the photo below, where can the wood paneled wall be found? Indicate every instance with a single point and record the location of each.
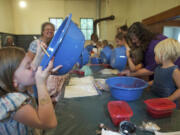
(168, 18)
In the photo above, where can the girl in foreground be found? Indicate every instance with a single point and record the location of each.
(17, 115)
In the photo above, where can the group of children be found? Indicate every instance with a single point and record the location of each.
(166, 82)
(95, 47)
(19, 70)
(166, 75)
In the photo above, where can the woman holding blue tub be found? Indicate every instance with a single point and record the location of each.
(146, 40)
(54, 82)
(47, 33)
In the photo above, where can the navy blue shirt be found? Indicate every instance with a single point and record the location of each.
(164, 85)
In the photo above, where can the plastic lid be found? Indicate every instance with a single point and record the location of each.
(119, 109)
(160, 104)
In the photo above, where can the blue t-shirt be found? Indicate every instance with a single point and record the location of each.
(90, 48)
(164, 85)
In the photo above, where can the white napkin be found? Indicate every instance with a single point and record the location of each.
(108, 132)
(80, 87)
(80, 91)
(80, 81)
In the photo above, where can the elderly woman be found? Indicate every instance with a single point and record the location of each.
(9, 41)
(54, 83)
(141, 37)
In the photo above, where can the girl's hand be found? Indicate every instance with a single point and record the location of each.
(42, 75)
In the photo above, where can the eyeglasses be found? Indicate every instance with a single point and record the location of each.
(49, 29)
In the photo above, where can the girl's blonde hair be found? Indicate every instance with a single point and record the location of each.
(168, 49)
(10, 59)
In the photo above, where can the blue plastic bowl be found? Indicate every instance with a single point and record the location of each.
(119, 58)
(105, 55)
(95, 60)
(84, 58)
(66, 46)
(126, 88)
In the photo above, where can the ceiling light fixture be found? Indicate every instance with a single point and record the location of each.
(22, 4)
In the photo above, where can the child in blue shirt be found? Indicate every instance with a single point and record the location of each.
(167, 75)
(134, 57)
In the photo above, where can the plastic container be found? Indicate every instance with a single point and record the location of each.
(105, 55)
(159, 114)
(119, 58)
(66, 46)
(119, 111)
(159, 107)
(95, 60)
(84, 58)
(126, 88)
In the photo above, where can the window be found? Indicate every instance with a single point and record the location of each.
(86, 25)
(56, 21)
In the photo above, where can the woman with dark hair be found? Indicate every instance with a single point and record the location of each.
(94, 40)
(92, 46)
(141, 37)
(123, 29)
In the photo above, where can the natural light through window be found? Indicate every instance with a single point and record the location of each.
(86, 27)
(179, 37)
(57, 22)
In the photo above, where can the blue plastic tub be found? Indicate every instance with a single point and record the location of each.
(84, 58)
(119, 58)
(105, 55)
(126, 88)
(66, 46)
(95, 60)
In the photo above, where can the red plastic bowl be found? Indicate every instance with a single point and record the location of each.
(160, 107)
(119, 111)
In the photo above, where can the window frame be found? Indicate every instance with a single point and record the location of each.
(86, 28)
(56, 19)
